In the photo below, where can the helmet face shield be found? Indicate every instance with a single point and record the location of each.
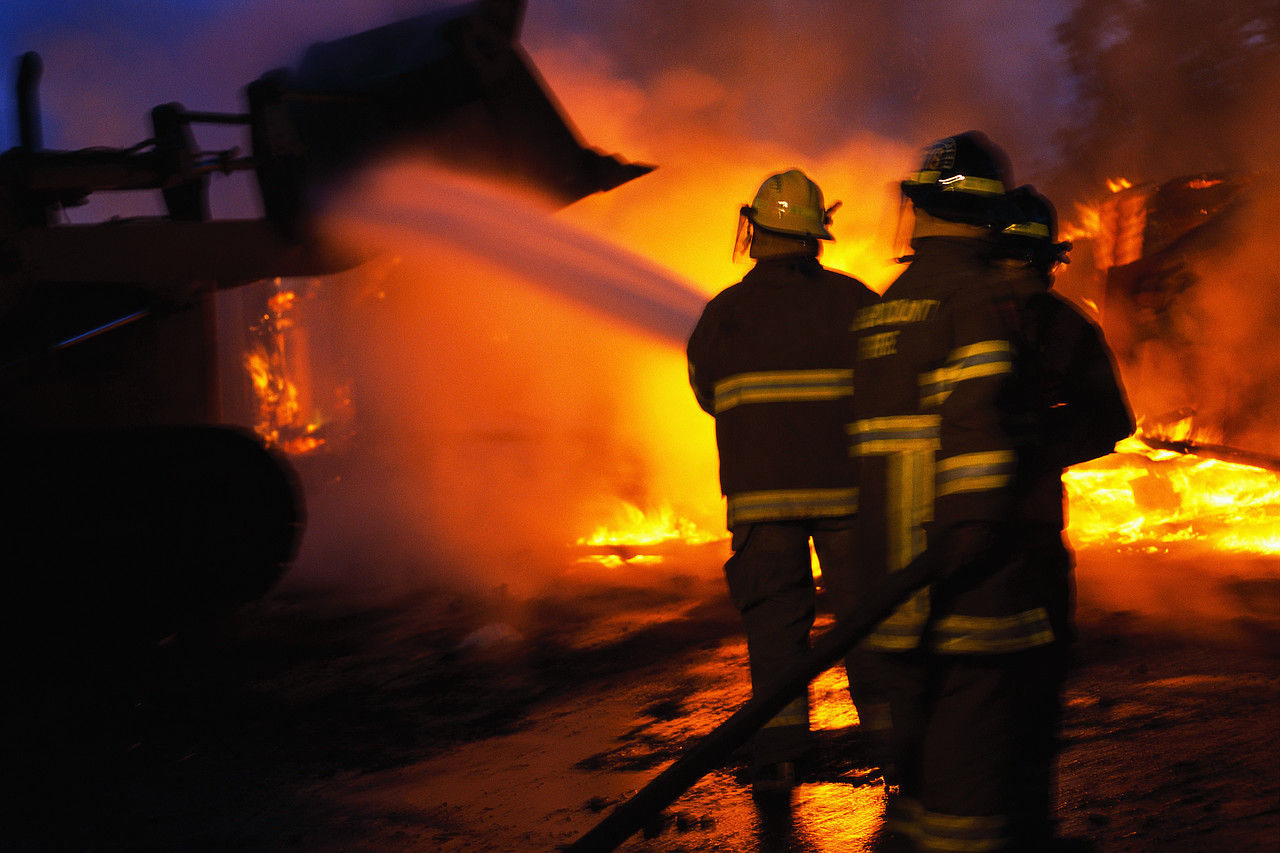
(742, 240)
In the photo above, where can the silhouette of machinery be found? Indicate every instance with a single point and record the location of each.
(134, 509)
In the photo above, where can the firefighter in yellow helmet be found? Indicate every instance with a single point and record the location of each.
(770, 361)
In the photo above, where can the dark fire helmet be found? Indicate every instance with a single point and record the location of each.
(963, 178)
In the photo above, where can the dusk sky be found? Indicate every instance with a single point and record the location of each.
(804, 75)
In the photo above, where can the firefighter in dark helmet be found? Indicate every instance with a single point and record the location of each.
(770, 359)
(1076, 411)
(950, 460)
(1082, 410)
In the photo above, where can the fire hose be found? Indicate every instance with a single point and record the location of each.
(700, 758)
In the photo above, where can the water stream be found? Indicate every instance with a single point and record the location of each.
(514, 380)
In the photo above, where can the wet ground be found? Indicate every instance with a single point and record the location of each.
(332, 720)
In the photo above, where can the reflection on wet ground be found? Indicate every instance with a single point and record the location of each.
(571, 761)
(449, 723)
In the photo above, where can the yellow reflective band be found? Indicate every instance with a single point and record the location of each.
(966, 835)
(975, 472)
(993, 634)
(783, 504)
(693, 383)
(975, 361)
(943, 832)
(923, 177)
(987, 459)
(1028, 229)
(983, 350)
(891, 643)
(978, 186)
(957, 183)
(783, 386)
(961, 822)
(795, 714)
(902, 629)
(968, 485)
(896, 434)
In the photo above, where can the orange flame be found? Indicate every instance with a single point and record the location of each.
(1145, 499)
(280, 420)
(634, 532)
(1135, 498)
(1089, 224)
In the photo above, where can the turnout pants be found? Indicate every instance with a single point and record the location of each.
(770, 580)
(975, 741)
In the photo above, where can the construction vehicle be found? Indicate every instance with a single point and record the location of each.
(137, 510)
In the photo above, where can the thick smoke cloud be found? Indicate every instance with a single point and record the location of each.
(718, 94)
(756, 72)
(1175, 89)
(812, 77)
(1168, 88)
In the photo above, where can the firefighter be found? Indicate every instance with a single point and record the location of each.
(1077, 411)
(770, 360)
(942, 420)
(1082, 410)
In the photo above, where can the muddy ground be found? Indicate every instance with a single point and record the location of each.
(330, 720)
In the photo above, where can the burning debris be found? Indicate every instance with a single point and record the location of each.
(1185, 290)
(1151, 499)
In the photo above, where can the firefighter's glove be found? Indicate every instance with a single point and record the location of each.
(966, 547)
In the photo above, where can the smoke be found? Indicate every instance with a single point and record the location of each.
(516, 381)
(1194, 594)
(507, 393)
(1169, 88)
(811, 78)
(1233, 313)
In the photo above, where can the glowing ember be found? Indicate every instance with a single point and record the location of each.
(1140, 498)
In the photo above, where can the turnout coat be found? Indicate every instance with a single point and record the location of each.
(771, 360)
(944, 430)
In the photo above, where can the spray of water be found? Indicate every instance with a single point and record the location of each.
(514, 378)
(413, 206)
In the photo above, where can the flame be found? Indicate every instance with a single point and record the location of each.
(1136, 498)
(635, 531)
(1089, 224)
(280, 420)
(1118, 184)
(1145, 499)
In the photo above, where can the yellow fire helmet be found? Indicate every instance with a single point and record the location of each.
(790, 203)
